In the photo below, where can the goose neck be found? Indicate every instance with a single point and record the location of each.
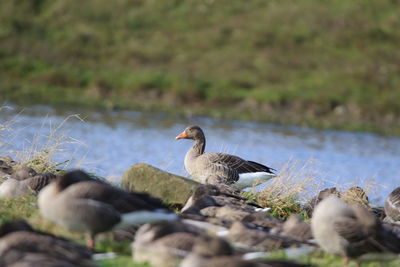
(199, 146)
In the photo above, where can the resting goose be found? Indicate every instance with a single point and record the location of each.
(23, 180)
(79, 203)
(228, 168)
(170, 241)
(295, 228)
(350, 231)
(215, 252)
(20, 245)
(216, 195)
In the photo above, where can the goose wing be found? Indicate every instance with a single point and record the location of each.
(39, 181)
(235, 164)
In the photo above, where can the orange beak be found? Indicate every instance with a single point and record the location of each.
(182, 135)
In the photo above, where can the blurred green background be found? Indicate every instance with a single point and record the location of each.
(319, 63)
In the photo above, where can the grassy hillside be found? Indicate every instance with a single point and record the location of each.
(321, 63)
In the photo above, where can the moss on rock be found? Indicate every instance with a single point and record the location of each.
(172, 189)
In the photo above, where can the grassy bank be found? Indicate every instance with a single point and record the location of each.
(331, 64)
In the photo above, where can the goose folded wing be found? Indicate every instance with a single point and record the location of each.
(237, 163)
(350, 229)
(39, 181)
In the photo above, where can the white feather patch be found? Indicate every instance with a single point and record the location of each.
(248, 179)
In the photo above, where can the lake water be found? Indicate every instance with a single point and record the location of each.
(107, 143)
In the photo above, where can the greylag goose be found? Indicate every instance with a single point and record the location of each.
(216, 195)
(228, 168)
(253, 238)
(350, 231)
(215, 252)
(295, 228)
(355, 195)
(392, 206)
(170, 241)
(23, 180)
(79, 203)
(20, 245)
(310, 206)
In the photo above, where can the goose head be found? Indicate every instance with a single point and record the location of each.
(23, 172)
(6, 164)
(193, 132)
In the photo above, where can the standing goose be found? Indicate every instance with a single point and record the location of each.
(350, 230)
(79, 203)
(229, 168)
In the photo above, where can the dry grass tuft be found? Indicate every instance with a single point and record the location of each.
(295, 184)
(40, 152)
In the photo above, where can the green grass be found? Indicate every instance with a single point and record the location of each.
(26, 208)
(122, 261)
(331, 64)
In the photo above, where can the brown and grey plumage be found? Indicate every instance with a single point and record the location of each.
(216, 195)
(350, 230)
(215, 252)
(310, 206)
(80, 203)
(170, 241)
(6, 164)
(392, 205)
(253, 238)
(216, 201)
(228, 168)
(355, 195)
(23, 180)
(20, 245)
(295, 228)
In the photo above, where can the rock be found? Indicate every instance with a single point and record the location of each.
(172, 189)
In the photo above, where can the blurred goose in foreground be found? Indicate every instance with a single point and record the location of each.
(295, 228)
(350, 231)
(392, 206)
(20, 245)
(215, 252)
(79, 203)
(171, 241)
(229, 169)
(255, 239)
(23, 180)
